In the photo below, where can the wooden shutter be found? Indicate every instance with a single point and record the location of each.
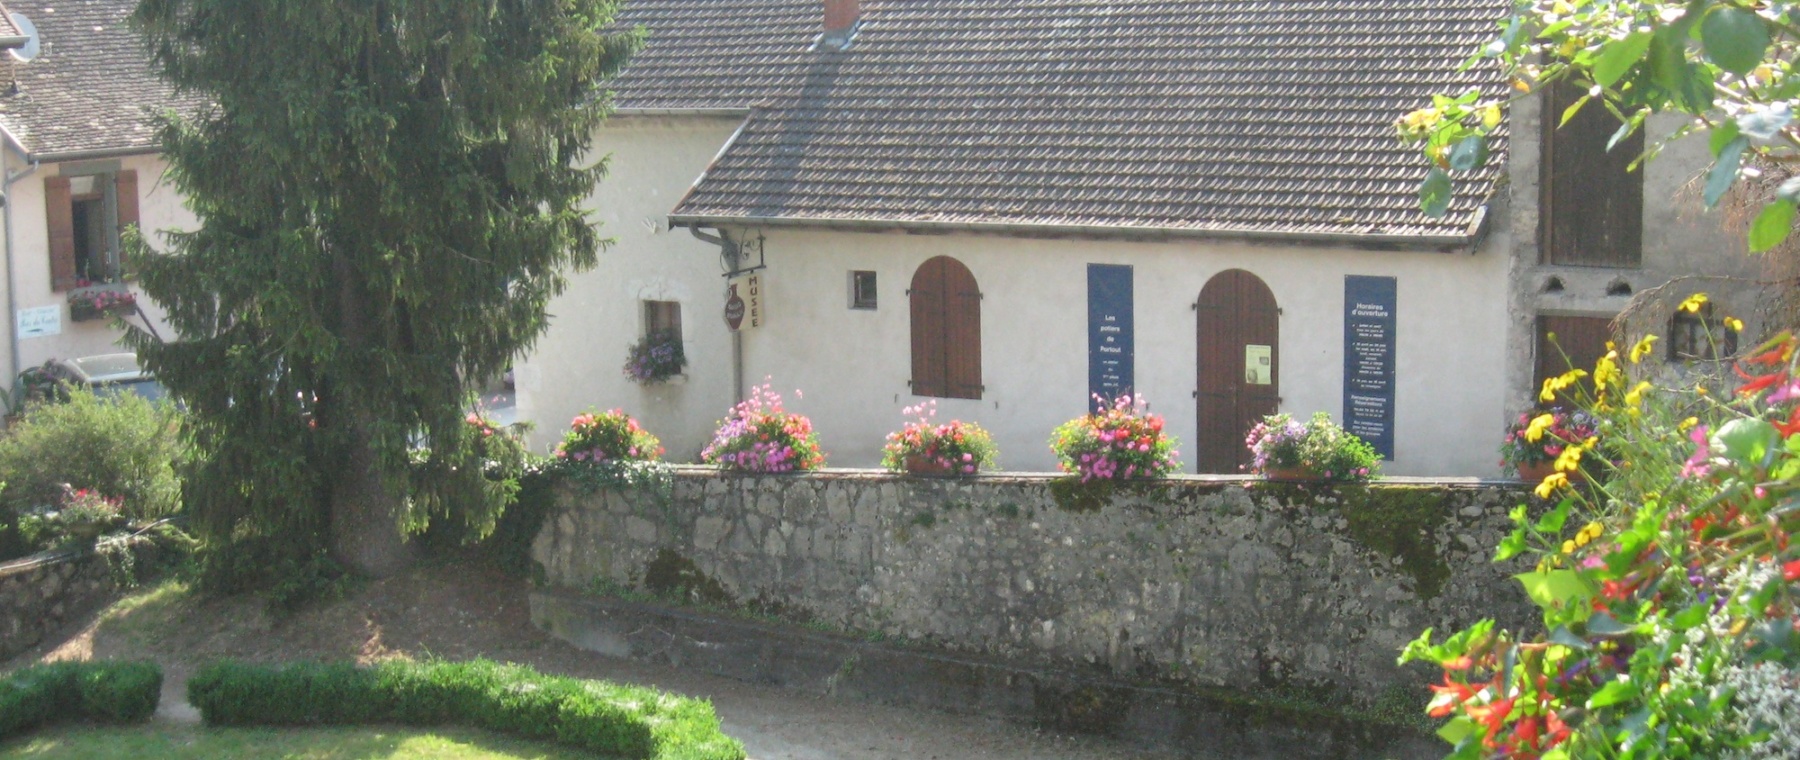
(59, 211)
(962, 332)
(1591, 206)
(125, 183)
(926, 298)
(1581, 339)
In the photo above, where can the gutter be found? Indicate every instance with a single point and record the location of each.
(722, 112)
(96, 153)
(10, 43)
(6, 209)
(1466, 240)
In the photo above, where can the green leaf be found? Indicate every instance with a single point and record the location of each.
(1618, 56)
(1693, 615)
(1456, 730)
(1722, 136)
(1554, 589)
(1470, 153)
(1734, 38)
(1434, 195)
(1602, 624)
(1766, 121)
(1614, 692)
(1574, 108)
(1552, 522)
(1746, 440)
(1668, 59)
(1724, 171)
(1563, 636)
(1772, 226)
(1511, 546)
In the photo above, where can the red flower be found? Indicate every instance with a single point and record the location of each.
(1790, 572)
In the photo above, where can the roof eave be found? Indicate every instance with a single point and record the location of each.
(702, 112)
(1468, 241)
(90, 154)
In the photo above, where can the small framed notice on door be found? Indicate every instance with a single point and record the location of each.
(1259, 364)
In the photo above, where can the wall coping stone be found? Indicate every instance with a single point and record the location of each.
(1006, 477)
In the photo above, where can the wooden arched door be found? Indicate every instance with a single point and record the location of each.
(1239, 330)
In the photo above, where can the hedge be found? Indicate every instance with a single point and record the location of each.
(611, 719)
(105, 692)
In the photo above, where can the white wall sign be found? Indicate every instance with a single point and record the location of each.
(746, 302)
(40, 322)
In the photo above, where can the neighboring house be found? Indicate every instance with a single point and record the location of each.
(939, 196)
(81, 165)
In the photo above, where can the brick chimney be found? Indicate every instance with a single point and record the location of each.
(840, 23)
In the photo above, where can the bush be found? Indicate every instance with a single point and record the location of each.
(1318, 447)
(1120, 442)
(108, 692)
(606, 437)
(123, 446)
(606, 718)
(760, 436)
(1536, 439)
(956, 446)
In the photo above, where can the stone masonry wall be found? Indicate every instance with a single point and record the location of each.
(1206, 581)
(41, 593)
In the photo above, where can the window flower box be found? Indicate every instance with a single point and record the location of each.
(87, 305)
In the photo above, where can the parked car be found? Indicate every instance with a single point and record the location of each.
(106, 375)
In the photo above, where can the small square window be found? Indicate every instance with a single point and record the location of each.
(862, 290)
(662, 317)
(1696, 336)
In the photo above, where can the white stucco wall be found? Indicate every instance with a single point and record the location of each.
(853, 366)
(578, 362)
(159, 209)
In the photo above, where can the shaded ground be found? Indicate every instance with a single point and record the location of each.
(462, 611)
(349, 743)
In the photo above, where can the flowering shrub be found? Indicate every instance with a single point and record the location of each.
(1669, 615)
(955, 446)
(1540, 438)
(81, 505)
(608, 436)
(90, 304)
(656, 357)
(760, 436)
(1319, 446)
(1121, 441)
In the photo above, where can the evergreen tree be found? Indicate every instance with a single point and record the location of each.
(388, 193)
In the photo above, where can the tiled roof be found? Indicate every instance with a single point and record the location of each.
(91, 87)
(1251, 117)
(7, 27)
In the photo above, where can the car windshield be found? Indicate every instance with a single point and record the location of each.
(146, 387)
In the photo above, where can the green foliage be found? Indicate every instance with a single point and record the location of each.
(611, 719)
(472, 493)
(1318, 447)
(1121, 441)
(759, 435)
(1668, 587)
(1726, 64)
(293, 574)
(122, 446)
(104, 691)
(387, 201)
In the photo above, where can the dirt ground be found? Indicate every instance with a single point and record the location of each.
(462, 610)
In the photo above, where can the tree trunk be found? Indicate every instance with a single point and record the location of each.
(365, 513)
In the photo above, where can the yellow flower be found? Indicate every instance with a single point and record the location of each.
(1490, 116)
(1538, 426)
(1568, 547)
(1688, 424)
(1588, 533)
(1693, 303)
(1422, 119)
(1606, 370)
(1554, 384)
(1636, 394)
(1736, 325)
(1554, 481)
(1570, 459)
(1642, 349)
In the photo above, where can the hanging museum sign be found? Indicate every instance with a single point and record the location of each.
(745, 302)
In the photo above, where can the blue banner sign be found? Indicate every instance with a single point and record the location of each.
(1111, 354)
(1369, 360)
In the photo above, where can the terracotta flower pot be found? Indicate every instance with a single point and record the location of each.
(1293, 475)
(917, 464)
(1533, 473)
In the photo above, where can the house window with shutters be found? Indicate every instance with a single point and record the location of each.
(86, 215)
(1567, 342)
(946, 330)
(1591, 205)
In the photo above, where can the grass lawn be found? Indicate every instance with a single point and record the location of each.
(348, 743)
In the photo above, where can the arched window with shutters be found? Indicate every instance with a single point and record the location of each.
(946, 330)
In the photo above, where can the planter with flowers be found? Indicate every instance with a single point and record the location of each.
(610, 436)
(1283, 448)
(760, 436)
(1122, 441)
(656, 358)
(923, 447)
(1535, 441)
(85, 305)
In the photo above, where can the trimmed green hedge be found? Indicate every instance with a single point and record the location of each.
(107, 692)
(623, 721)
